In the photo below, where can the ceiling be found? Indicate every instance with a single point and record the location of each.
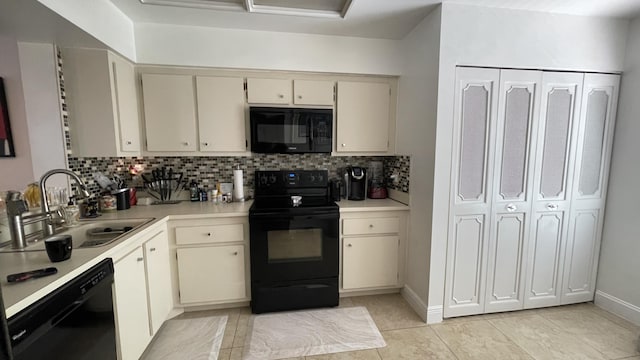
(382, 19)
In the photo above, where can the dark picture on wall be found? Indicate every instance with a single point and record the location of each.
(6, 141)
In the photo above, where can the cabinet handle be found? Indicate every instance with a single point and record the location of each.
(349, 245)
(280, 96)
(552, 206)
(205, 143)
(370, 226)
(128, 142)
(139, 259)
(511, 208)
(235, 253)
(299, 96)
(186, 143)
(208, 234)
(343, 145)
(152, 249)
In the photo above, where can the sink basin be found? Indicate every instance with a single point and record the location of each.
(90, 233)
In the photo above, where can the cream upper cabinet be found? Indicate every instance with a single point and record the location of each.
(103, 108)
(363, 117)
(268, 91)
(221, 111)
(313, 92)
(169, 112)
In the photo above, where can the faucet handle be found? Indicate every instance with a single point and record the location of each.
(15, 203)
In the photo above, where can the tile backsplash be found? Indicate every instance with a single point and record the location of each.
(209, 170)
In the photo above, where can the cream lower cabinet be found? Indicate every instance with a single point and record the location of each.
(212, 261)
(158, 275)
(372, 251)
(131, 309)
(142, 295)
(530, 162)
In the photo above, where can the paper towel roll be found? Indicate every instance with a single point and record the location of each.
(238, 190)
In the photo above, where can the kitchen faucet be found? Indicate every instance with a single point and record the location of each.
(47, 226)
(16, 207)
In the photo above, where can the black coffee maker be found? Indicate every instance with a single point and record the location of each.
(355, 179)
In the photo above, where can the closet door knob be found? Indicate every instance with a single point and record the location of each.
(552, 206)
(511, 208)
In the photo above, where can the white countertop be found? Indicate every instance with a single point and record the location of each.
(371, 205)
(18, 296)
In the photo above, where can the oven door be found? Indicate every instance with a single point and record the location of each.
(287, 247)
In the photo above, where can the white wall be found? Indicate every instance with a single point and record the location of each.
(619, 269)
(42, 105)
(228, 48)
(416, 129)
(507, 38)
(15, 173)
(100, 19)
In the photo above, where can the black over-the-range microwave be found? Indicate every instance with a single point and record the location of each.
(290, 130)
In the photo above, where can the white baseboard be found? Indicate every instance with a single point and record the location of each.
(618, 306)
(434, 314)
(415, 302)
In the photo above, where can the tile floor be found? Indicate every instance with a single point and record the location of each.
(581, 331)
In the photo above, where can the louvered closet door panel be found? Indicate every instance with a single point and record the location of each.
(474, 139)
(555, 157)
(595, 136)
(518, 108)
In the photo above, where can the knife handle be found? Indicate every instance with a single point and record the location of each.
(33, 274)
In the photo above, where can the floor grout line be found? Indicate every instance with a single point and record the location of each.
(509, 338)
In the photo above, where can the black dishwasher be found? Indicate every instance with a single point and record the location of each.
(73, 322)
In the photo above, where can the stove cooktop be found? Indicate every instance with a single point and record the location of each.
(286, 204)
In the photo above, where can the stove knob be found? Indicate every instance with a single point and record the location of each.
(263, 179)
(272, 179)
(312, 179)
(320, 179)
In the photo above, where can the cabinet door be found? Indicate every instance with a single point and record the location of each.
(130, 297)
(369, 262)
(595, 137)
(473, 148)
(169, 112)
(555, 156)
(518, 107)
(156, 253)
(126, 104)
(221, 108)
(268, 91)
(210, 274)
(313, 92)
(363, 117)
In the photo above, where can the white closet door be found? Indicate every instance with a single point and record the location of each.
(474, 132)
(555, 156)
(595, 137)
(518, 108)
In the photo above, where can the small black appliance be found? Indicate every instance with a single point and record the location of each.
(355, 179)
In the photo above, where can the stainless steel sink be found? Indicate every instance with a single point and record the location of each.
(89, 233)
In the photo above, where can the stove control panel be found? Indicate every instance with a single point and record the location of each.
(288, 179)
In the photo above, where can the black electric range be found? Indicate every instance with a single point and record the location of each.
(294, 241)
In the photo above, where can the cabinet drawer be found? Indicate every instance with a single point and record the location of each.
(209, 234)
(370, 226)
